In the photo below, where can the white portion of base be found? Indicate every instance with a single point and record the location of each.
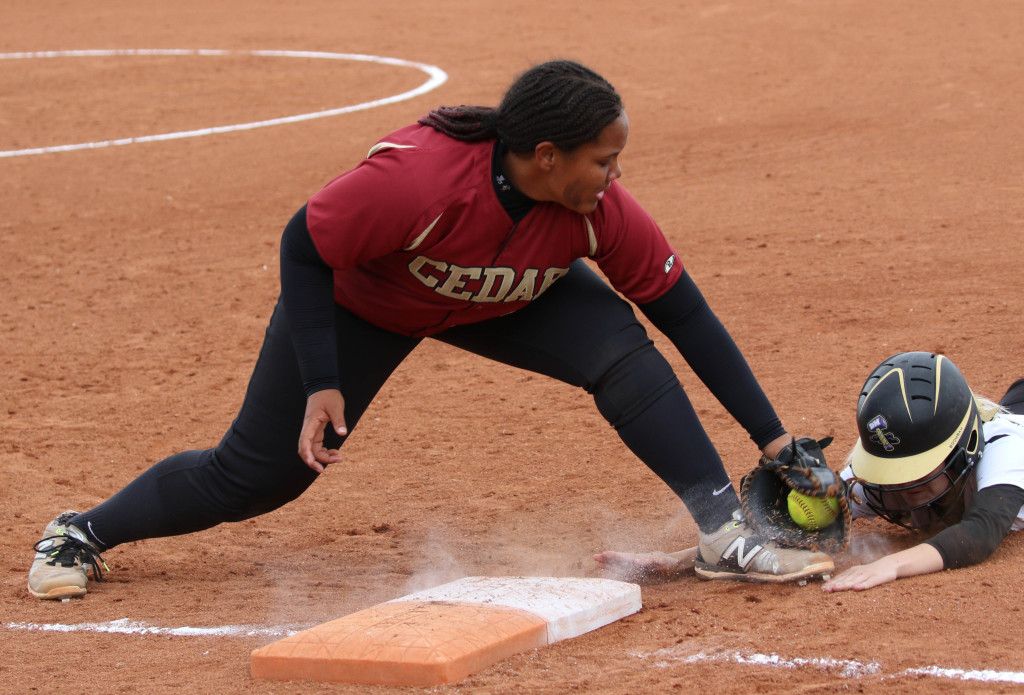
(571, 606)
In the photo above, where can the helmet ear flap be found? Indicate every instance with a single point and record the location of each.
(974, 443)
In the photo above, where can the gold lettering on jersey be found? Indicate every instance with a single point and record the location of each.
(524, 290)
(418, 268)
(550, 275)
(454, 284)
(504, 276)
(483, 285)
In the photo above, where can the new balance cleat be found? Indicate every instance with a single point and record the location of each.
(735, 552)
(63, 559)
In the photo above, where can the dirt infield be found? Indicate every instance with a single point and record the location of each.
(843, 180)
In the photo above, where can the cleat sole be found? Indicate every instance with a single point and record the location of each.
(706, 571)
(60, 592)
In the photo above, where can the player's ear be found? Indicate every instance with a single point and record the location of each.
(544, 155)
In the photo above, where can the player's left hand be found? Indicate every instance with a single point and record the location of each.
(322, 408)
(647, 568)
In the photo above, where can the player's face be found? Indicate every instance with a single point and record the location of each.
(580, 177)
(919, 492)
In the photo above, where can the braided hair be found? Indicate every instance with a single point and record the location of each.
(560, 101)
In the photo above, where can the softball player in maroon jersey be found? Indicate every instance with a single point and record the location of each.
(468, 227)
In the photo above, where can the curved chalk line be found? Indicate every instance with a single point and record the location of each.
(436, 77)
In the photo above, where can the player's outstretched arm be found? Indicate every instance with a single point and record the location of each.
(970, 541)
(647, 567)
(322, 408)
(920, 559)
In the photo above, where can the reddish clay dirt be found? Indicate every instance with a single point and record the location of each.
(844, 181)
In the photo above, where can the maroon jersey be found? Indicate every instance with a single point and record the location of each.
(420, 242)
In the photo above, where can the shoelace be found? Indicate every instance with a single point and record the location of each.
(72, 549)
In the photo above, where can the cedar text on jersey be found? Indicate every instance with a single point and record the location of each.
(483, 284)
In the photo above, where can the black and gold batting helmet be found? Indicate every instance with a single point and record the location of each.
(920, 439)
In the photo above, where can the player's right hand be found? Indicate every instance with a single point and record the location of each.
(322, 408)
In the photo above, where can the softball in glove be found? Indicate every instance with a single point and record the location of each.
(799, 466)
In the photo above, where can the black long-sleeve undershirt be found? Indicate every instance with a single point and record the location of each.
(685, 317)
(307, 292)
(983, 528)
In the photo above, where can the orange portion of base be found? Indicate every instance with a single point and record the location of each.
(402, 643)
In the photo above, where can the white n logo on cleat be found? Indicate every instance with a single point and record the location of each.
(737, 548)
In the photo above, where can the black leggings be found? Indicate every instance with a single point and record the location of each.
(1014, 398)
(580, 332)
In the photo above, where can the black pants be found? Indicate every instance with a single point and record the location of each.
(1014, 398)
(580, 332)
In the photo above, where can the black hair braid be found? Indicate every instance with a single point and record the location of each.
(560, 101)
(469, 123)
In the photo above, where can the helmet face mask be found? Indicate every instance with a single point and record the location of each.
(920, 440)
(931, 503)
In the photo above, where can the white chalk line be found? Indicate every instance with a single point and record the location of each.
(436, 75)
(844, 668)
(125, 626)
(974, 675)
